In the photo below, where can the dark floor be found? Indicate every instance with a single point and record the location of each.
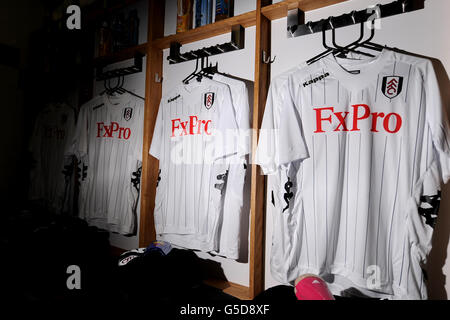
(38, 247)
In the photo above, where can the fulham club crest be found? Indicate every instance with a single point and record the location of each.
(392, 86)
(127, 113)
(208, 100)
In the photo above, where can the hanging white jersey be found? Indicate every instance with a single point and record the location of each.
(239, 99)
(280, 187)
(51, 176)
(228, 233)
(195, 129)
(108, 143)
(371, 139)
(230, 227)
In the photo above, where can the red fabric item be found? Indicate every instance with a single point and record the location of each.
(311, 287)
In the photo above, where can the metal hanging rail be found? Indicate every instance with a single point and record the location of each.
(137, 67)
(237, 43)
(296, 26)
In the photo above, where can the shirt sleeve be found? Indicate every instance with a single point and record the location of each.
(281, 138)
(437, 119)
(267, 151)
(78, 142)
(70, 131)
(425, 209)
(157, 140)
(292, 142)
(227, 128)
(140, 134)
(243, 120)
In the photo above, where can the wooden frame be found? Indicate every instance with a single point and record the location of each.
(261, 18)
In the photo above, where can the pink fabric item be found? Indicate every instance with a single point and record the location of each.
(311, 287)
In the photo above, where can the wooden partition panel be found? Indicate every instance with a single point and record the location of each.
(258, 183)
(153, 92)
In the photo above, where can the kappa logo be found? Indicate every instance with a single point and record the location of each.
(208, 100)
(323, 76)
(392, 86)
(288, 194)
(127, 113)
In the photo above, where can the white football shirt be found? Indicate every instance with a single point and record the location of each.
(267, 154)
(371, 138)
(108, 143)
(230, 228)
(54, 124)
(195, 130)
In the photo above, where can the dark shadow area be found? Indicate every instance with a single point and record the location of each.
(40, 247)
(245, 219)
(211, 269)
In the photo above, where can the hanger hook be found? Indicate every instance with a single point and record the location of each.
(308, 24)
(404, 5)
(330, 22)
(353, 16)
(267, 60)
(122, 81)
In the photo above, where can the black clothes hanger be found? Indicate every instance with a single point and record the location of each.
(106, 88)
(133, 94)
(208, 70)
(200, 74)
(324, 53)
(193, 74)
(117, 89)
(342, 51)
(121, 82)
(122, 90)
(367, 43)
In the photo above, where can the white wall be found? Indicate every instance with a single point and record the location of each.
(424, 32)
(135, 83)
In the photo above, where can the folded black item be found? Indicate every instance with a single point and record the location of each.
(155, 277)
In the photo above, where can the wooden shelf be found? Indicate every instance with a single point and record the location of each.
(272, 12)
(214, 29)
(124, 54)
(280, 9)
